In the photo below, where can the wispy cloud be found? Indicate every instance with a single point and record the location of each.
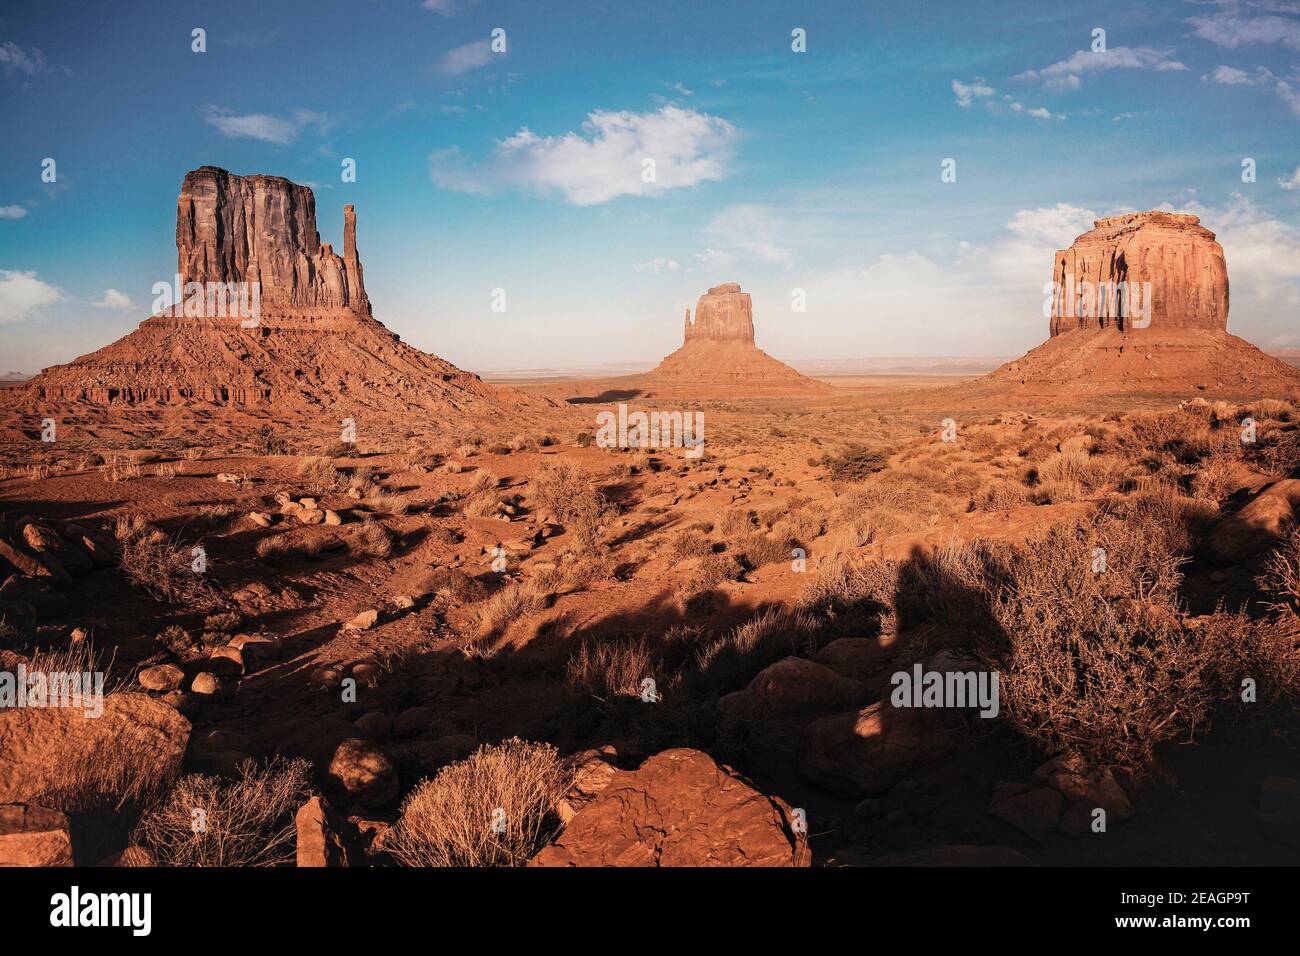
(1291, 183)
(112, 299)
(12, 212)
(657, 265)
(607, 159)
(22, 293)
(978, 91)
(16, 60)
(266, 127)
(446, 8)
(1066, 74)
(1234, 26)
(471, 56)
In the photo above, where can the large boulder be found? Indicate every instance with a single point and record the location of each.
(864, 752)
(363, 772)
(1260, 524)
(793, 687)
(32, 835)
(47, 750)
(679, 808)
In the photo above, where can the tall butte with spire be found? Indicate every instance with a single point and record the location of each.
(270, 319)
(718, 348)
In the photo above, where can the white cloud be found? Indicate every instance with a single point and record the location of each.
(113, 300)
(1231, 76)
(12, 212)
(265, 127)
(1289, 94)
(979, 91)
(1066, 74)
(966, 94)
(446, 8)
(714, 259)
(21, 293)
(471, 56)
(606, 160)
(1293, 182)
(1229, 29)
(17, 60)
(754, 231)
(1056, 226)
(657, 265)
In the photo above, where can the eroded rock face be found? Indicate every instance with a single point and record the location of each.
(1174, 253)
(262, 229)
(718, 347)
(310, 343)
(679, 808)
(724, 313)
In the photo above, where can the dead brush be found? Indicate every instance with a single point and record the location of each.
(731, 662)
(515, 600)
(246, 822)
(1281, 577)
(319, 475)
(371, 540)
(162, 567)
(609, 669)
(279, 547)
(447, 821)
(560, 489)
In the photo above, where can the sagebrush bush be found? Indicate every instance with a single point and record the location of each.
(609, 669)
(161, 567)
(449, 820)
(560, 488)
(855, 463)
(244, 822)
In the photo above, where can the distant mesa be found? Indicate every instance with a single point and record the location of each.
(718, 347)
(1140, 305)
(312, 344)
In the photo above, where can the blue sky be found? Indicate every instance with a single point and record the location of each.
(522, 170)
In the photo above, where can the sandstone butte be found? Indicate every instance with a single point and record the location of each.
(718, 348)
(1180, 346)
(315, 347)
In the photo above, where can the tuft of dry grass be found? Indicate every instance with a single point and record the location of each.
(245, 822)
(372, 539)
(560, 488)
(161, 567)
(609, 669)
(453, 819)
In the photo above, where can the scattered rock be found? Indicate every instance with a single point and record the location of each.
(317, 843)
(1035, 811)
(206, 683)
(32, 835)
(866, 752)
(163, 677)
(678, 809)
(374, 725)
(363, 772)
(792, 687)
(363, 621)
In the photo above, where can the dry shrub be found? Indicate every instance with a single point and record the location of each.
(609, 669)
(713, 569)
(855, 463)
(384, 503)
(1268, 409)
(372, 539)
(511, 602)
(1281, 577)
(853, 597)
(448, 821)
(1164, 515)
(319, 475)
(453, 582)
(339, 449)
(733, 660)
(692, 542)
(735, 523)
(247, 822)
(266, 442)
(281, 546)
(757, 550)
(160, 566)
(1103, 662)
(560, 488)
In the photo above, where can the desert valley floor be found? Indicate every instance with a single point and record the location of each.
(505, 577)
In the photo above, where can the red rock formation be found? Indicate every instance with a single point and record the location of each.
(718, 347)
(679, 808)
(314, 345)
(263, 229)
(1174, 253)
(1180, 344)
